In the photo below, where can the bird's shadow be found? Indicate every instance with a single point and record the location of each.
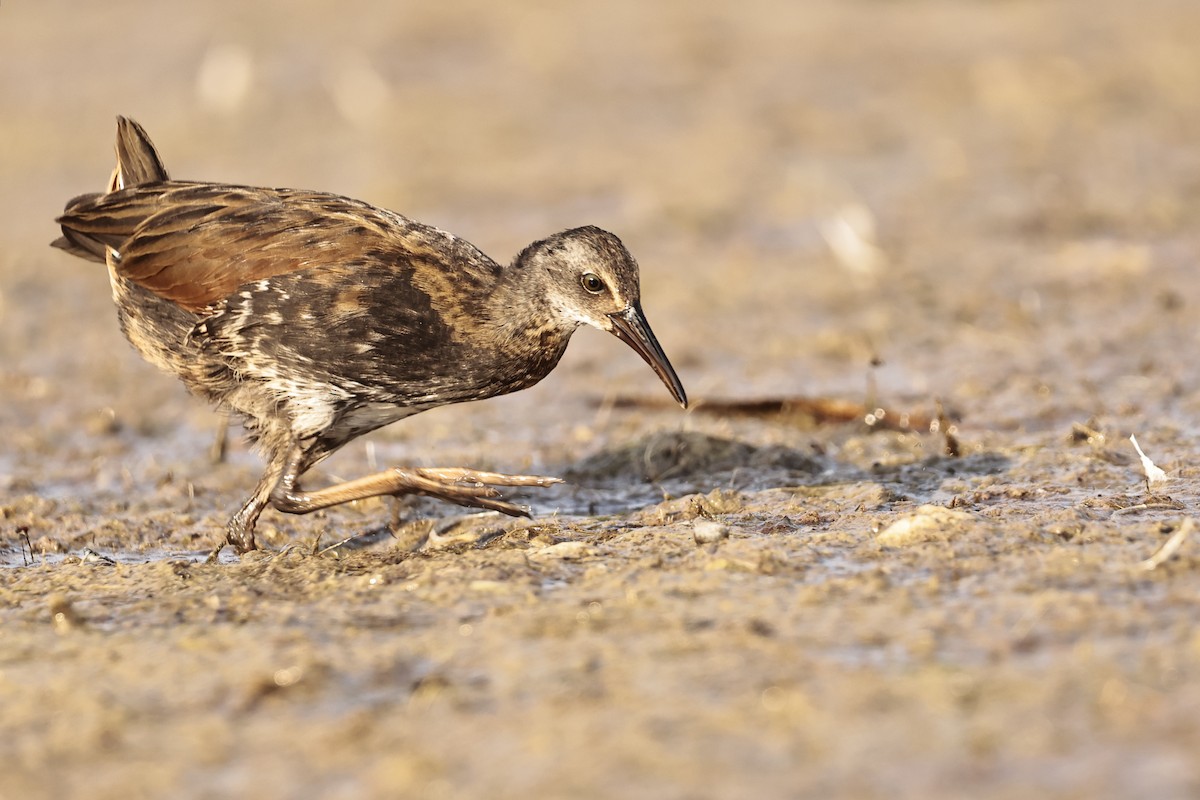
(632, 476)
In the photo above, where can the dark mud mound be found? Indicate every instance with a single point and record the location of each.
(920, 479)
(686, 457)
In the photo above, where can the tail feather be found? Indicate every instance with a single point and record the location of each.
(137, 158)
(80, 244)
(138, 162)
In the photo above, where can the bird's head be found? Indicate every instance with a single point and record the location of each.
(591, 279)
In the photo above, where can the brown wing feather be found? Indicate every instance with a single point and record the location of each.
(197, 243)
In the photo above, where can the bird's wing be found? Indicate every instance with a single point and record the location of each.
(196, 243)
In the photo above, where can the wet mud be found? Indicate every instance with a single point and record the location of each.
(925, 267)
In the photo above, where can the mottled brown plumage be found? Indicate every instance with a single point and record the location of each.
(317, 318)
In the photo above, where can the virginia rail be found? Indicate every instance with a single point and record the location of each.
(315, 318)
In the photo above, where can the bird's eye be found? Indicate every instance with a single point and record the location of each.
(591, 281)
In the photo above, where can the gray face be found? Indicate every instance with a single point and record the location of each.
(590, 275)
(593, 280)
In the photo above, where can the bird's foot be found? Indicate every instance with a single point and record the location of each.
(239, 534)
(468, 487)
(240, 540)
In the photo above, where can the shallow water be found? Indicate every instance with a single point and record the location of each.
(1028, 171)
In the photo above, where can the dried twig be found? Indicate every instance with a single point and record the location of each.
(811, 410)
(1170, 546)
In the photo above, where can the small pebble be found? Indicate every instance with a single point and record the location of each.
(706, 531)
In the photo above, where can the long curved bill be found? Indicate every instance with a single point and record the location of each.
(630, 327)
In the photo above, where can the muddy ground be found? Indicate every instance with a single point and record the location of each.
(991, 206)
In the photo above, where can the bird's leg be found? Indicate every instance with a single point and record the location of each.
(240, 530)
(466, 487)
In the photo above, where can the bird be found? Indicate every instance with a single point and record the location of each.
(315, 318)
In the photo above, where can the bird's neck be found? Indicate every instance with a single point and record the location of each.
(523, 321)
(518, 303)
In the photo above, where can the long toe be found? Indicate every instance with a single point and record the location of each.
(475, 497)
(503, 506)
(465, 488)
(464, 475)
